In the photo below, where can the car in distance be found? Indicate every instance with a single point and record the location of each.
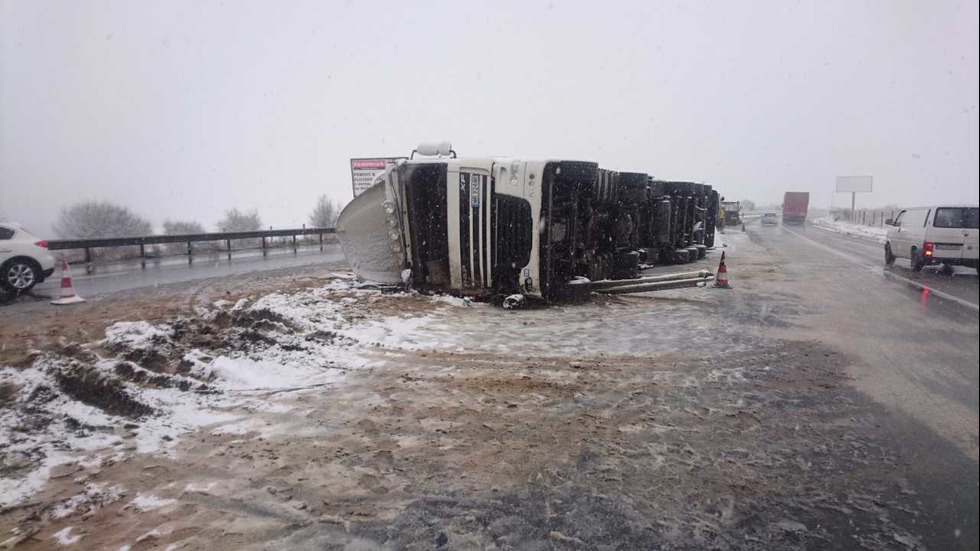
(770, 219)
(24, 259)
(935, 235)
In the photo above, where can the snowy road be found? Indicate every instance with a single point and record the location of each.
(918, 348)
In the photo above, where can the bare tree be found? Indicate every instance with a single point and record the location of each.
(325, 213)
(236, 220)
(177, 227)
(94, 219)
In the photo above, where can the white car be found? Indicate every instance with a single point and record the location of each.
(944, 235)
(24, 259)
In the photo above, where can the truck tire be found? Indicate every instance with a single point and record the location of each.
(889, 257)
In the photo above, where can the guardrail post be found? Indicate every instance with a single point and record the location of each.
(263, 247)
(294, 243)
(228, 246)
(321, 242)
(190, 253)
(142, 256)
(88, 260)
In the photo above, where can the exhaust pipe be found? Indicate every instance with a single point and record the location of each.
(657, 286)
(598, 286)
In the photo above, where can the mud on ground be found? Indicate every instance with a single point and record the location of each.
(29, 323)
(439, 449)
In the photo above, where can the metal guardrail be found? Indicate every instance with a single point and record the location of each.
(142, 241)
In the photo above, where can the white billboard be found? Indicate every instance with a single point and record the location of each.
(854, 184)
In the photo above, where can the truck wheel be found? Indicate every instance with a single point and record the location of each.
(917, 261)
(889, 257)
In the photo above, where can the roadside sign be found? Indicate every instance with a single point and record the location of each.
(854, 184)
(363, 171)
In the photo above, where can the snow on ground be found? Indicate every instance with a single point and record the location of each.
(869, 233)
(95, 496)
(148, 502)
(65, 536)
(145, 384)
(135, 335)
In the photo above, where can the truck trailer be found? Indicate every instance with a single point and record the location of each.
(547, 229)
(795, 205)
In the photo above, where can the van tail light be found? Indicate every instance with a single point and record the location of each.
(42, 243)
(928, 248)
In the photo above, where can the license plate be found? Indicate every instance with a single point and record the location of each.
(948, 246)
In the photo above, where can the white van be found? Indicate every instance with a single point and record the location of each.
(944, 235)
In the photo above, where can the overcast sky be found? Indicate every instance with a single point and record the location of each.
(181, 109)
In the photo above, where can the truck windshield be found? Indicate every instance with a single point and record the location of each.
(959, 217)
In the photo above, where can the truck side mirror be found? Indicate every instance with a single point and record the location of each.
(889, 222)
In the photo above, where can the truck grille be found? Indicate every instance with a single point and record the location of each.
(475, 231)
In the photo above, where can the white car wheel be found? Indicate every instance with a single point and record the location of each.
(19, 276)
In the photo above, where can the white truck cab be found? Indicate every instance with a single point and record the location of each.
(944, 234)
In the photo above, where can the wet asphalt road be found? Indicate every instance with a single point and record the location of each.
(110, 278)
(914, 341)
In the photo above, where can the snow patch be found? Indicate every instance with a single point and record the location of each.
(65, 536)
(868, 233)
(201, 488)
(136, 335)
(276, 342)
(95, 496)
(452, 301)
(148, 502)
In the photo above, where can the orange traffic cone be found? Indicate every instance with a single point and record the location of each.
(68, 295)
(721, 279)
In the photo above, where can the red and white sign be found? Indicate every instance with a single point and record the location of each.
(364, 171)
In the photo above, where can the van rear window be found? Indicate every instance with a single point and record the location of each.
(959, 217)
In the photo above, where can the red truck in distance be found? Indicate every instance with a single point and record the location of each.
(795, 204)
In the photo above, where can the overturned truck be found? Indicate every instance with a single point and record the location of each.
(548, 229)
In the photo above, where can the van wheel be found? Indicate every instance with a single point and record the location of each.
(917, 261)
(889, 257)
(948, 269)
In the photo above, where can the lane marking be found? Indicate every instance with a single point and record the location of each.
(888, 274)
